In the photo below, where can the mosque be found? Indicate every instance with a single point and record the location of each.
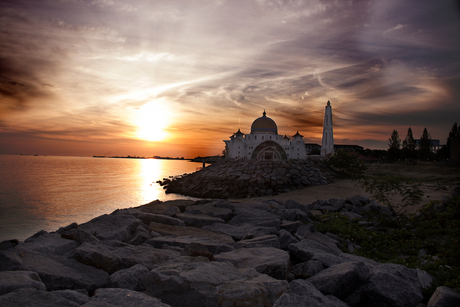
(264, 142)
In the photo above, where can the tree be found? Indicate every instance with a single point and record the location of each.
(425, 145)
(394, 150)
(454, 132)
(408, 147)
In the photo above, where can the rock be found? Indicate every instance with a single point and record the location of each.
(292, 215)
(130, 278)
(198, 220)
(303, 293)
(212, 210)
(213, 245)
(195, 282)
(196, 250)
(265, 260)
(122, 298)
(13, 280)
(171, 211)
(424, 278)
(305, 229)
(255, 217)
(7, 244)
(444, 297)
(115, 226)
(386, 211)
(142, 234)
(79, 235)
(321, 239)
(10, 260)
(112, 255)
(148, 218)
(36, 235)
(286, 238)
(391, 285)
(341, 280)
(36, 298)
(239, 232)
(72, 295)
(50, 243)
(175, 231)
(291, 226)
(61, 230)
(308, 249)
(265, 241)
(60, 273)
(359, 200)
(307, 269)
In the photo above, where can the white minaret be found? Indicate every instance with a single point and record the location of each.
(327, 147)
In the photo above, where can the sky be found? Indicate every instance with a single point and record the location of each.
(177, 77)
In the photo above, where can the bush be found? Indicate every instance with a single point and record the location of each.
(347, 164)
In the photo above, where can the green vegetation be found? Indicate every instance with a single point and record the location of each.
(428, 240)
(346, 164)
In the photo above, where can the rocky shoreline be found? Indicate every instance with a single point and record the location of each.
(208, 253)
(240, 178)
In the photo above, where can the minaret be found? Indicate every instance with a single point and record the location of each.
(327, 147)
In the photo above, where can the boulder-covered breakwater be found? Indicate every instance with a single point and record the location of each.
(239, 178)
(208, 253)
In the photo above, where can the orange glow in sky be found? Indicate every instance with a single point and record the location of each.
(176, 78)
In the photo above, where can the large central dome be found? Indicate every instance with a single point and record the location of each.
(264, 124)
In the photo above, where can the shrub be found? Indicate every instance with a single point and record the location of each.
(347, 164)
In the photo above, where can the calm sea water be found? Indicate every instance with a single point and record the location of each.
(48, 192)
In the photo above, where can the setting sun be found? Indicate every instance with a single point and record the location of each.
(152, 120)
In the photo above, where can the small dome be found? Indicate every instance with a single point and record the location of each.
(264, 124)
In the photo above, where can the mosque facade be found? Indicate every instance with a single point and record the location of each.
(264, 143)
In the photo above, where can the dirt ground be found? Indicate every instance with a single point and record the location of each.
(434, 180)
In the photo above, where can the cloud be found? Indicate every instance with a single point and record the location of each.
(398, 27)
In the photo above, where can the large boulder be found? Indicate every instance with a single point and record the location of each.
(13, 280)
(240, 232)
(255, 217)
(265, 260)
(29, 297)
(444, 297)
(116, 226)
(198, 220)
(211, 209)
(213, 246)
(265, 241)
(175, 231)
(303, 293)
(122, 298)
(50, 243)
(112, 256)
(59, 272)
(78, 296)
(391, 285)
(148, 218)
(130, 279)
(307, 269)
(341, 280)
(308, 249)
(198, 282)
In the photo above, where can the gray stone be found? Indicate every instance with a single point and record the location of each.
(213, 245)
(239, 232)
(148, 218)
(130, 279)
(352, 216)
(359, 200)
(79, 235)
(10, 260)
(198, 220)
(255, 217)
(36, 235)
(197, 282)
(112, 256)
(122, 298)
(171, 211)
(115, 226)
(291, 226)
(424, 278)
(142, 234)
(444, 297)
(7, 244)
(292, 215)
(303, 293)
(13, 280)
(392, 285)
(29, 297)
(286, 238)
(307, 269)
(60, 273)
(264, 241)
(212, 210)
(305, 229)
(265, 260)
(341, 280)
(72, 295)
(322, 239)
(50, 243)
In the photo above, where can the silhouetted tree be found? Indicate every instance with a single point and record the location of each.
(394, 149)
(454, 132)
(408, 146)
(425, 145)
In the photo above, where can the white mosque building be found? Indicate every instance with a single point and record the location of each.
(264, 143)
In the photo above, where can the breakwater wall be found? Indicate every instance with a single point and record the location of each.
(238, 178)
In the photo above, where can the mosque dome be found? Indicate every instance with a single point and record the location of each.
(264, 124)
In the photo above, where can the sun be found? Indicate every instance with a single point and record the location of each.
(153, 119)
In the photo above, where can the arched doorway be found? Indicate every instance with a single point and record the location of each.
(269, 150)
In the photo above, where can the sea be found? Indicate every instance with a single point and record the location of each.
(48, 192)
